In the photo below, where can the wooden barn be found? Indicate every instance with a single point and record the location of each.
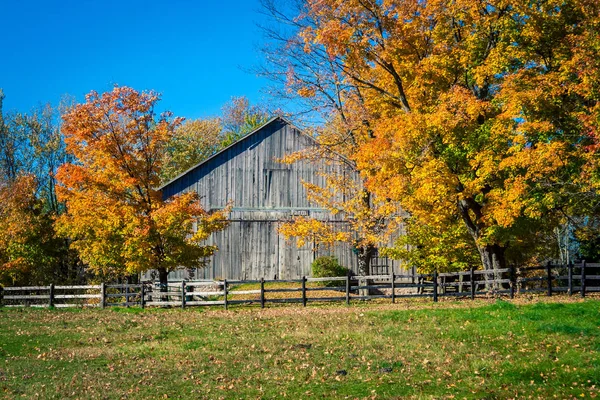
(264, 193)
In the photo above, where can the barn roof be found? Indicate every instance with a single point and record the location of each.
(236, 143)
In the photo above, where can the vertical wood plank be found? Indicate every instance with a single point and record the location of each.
(435, 286)
(472, 274)
(583, 278)
(512, 281)
(443, 285)
(225, 292)
(549, 278)
(102, 295)
(393, 277)
(51, 295)
(1, 296)
(143, 295)
(182, 294)
(262, 292)
(570, 273)
(304, 291)
(348, 288)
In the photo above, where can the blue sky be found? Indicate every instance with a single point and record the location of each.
(193, 52)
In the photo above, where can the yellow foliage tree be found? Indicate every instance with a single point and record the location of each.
(480, 112)
(371, 221)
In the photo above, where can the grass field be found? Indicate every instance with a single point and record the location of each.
(410, 350)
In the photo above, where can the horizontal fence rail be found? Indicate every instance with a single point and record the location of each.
(548, 279)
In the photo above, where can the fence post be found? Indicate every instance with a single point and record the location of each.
(348, 288)
(570, 273)
(1, 296)
(143, 295)
(549, 278)
(435, 286)
(183, 294)
(304, 291)
(102, 295)
(225, 292)
(51, 301)
(127, 293)
(583, 278)
(393, 287)
(512, 282)
(262, 292)
(443, 284)
(472, 284)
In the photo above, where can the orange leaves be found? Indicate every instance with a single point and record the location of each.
(482, 112)
(24, 229)
(116, 218)
(118, 134)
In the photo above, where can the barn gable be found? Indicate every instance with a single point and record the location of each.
(264, 193)
(248, 173)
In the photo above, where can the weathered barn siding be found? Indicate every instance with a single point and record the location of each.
(264, 193)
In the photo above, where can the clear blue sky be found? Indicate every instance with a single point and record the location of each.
(193, 52)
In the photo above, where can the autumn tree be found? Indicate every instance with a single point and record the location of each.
(369, 222)
(196, 140)
(192, 142)
(117, 220)
(29, 252)
(314, 82)
(31, 148)
(239, 118)
(479, 113)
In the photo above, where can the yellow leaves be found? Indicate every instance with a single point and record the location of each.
(538, 161)
(493, 107)
(505, 206)
(308, 230)
(306, 92)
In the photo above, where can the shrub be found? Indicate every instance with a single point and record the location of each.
(328, 266)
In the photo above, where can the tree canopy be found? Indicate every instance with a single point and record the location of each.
(115, 216)
(479, 119)
(196, 140)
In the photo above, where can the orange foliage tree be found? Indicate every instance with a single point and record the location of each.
(116, 219)
(26, 235)
(479, 118)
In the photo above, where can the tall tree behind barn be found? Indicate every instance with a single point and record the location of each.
(265, 193)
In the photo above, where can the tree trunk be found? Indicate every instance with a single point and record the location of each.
(364, 259)
(492, 259)
(364, 266)
(492, 256)
(163, 278)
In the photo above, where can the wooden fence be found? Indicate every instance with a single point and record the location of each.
(549, 279)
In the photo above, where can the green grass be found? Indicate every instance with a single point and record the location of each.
(448, 350)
